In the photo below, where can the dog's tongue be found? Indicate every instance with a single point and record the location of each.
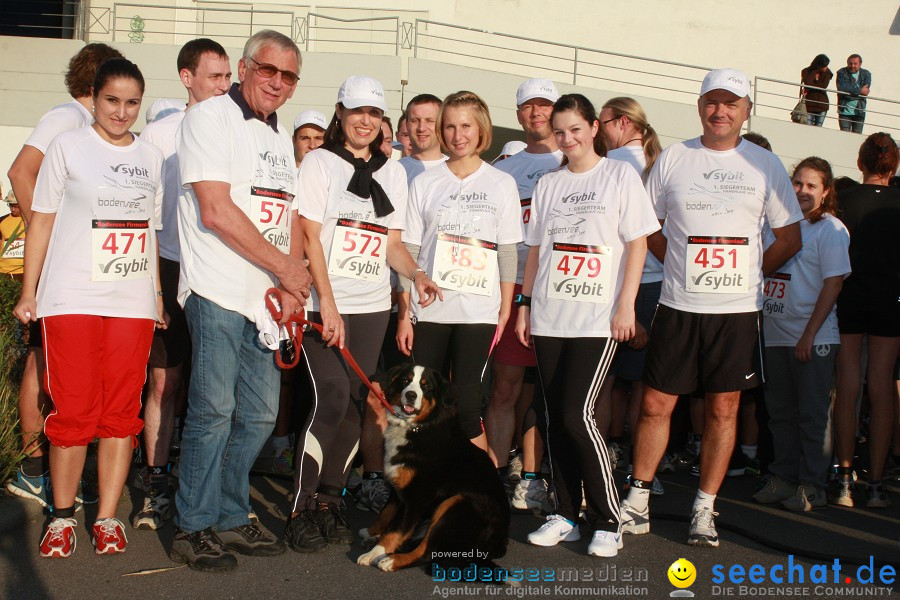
(409, 409)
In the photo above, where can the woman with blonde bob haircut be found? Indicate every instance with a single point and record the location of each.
(462, 226)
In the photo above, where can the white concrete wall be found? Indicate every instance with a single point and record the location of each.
(31, 75)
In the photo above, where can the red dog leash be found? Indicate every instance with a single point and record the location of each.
(273, 304)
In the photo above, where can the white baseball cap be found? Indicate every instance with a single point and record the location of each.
(164, 107)
(310, 117)
(359, 90)
(536, 88)
(513, 147)
(730, 80)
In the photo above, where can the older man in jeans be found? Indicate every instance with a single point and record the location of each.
(239, 234)
(853, 84)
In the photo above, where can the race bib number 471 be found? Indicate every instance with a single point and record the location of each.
(359, 250)
(717, 265)
(580, 273)
(119, 250)
(465, 264)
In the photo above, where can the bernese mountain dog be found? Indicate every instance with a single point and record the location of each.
(439, 480)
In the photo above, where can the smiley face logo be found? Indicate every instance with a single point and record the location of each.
(682, 573)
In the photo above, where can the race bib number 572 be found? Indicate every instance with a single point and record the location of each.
(717, 264)
(359, 250)
(119, 250)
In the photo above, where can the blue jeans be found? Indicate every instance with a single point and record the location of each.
(815, 119)
(232, 405)
(852, 122)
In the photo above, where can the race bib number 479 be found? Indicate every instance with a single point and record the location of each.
(465, 264)
(580, 273)
(717, 265)
(119, 250)
(358, 250)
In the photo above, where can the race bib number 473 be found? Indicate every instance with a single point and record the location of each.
(580, 273)
(776, 295)
(358, 250)
(119, 250)
(465, 264)
(717, 264)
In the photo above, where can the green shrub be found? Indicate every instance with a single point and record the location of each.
(12, 352)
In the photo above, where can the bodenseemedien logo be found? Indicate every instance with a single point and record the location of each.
(682, 575)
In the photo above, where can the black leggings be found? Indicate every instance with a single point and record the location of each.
(462, 349)
(572, 371)
(330, 437)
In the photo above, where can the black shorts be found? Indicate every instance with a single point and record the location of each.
(873, 316)
(172, 346)
(35, 335)
(716, 352)
(629, 363)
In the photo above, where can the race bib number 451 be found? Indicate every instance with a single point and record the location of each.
(580, 273)
(358, 250)
(465, 264)
(717, 265)
(119, 250)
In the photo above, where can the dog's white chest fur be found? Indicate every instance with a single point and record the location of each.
(394, 438)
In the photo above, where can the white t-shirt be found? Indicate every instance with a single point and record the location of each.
(634, 156)
(216, 143)
(791, 293)
(353, 238)
(414, 166)
(65, 117)
(161, 133)
(527, 168)
(582, 221)
(102, 254)
(714, 204)
(459, 225)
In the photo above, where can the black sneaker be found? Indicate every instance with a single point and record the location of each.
(333, 524)
(202, 551)
(738, 464)
(302, 533)
(251, 539)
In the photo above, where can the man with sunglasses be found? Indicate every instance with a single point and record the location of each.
(239, 234)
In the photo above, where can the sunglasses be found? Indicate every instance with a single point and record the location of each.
(268, 71)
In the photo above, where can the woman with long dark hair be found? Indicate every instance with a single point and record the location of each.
(588, 235)
(816, 75)
(91, 276)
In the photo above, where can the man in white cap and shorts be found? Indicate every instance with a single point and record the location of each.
(513, 382)
(714, 193)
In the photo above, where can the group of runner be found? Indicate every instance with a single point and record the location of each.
(590, 250)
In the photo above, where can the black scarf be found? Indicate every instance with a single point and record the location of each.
(362, 183)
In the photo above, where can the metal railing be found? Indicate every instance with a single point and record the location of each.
(578, 65)
(325, 32)
(776, 98)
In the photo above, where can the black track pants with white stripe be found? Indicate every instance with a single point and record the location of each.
(572, 370)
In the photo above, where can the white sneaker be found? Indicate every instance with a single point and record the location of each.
(703, 529)
(634, 521)
(515, 468)
(605, 543)
(531, 495)
(557, 529)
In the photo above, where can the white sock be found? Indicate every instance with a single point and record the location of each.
(638, 498)
(703, 500)
(280, 442)
(749, 451)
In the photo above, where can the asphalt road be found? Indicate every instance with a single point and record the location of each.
(751, 535)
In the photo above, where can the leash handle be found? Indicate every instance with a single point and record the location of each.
(295, 333)
(274, 305)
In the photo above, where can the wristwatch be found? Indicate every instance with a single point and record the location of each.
(520, 300)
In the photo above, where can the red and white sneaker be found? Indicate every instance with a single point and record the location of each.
(59, 539)
(109, 536)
